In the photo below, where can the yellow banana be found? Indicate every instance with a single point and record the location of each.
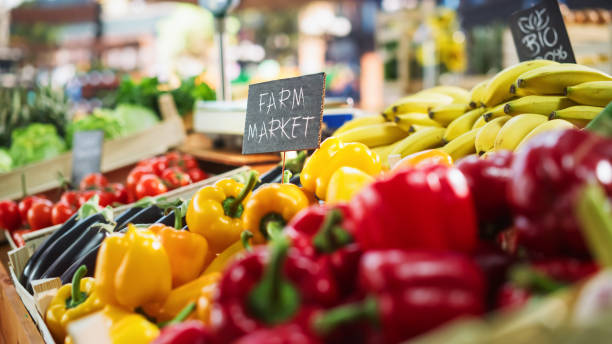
(407, 120)
(444, 114)
(498, 90)
(495, 112)
(542, 105)
(459, 95)
(416, 103)
(462, 145)
(579, 123)
(519, 92)
(383, 152)
(422, 139)
(374, 135)
(555, 124)
(517, 127)
(463, 124)
(480, 121)
(477, 93)
(553, 79)
(580, 112)
(594, 93)
(359, 122)
(485, 138)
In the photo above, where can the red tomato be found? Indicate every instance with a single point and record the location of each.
(70, 197)
(9, 216)
(61, 212)
(18, 236)
(93, 181)
(150, 185)
(119, 192)
(174, 178)
(183, 161)
(106, 198)
(25, 205)
(134, 177)
(197, 174)
(159, 164)
(39, 214)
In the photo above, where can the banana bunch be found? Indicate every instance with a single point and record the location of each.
(501, 113)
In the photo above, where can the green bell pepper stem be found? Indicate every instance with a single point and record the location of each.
(287, 176)
(233, 206)
(296, 164)
(274, 299)
(331, 236)
(245, 236)
(594, 214)
(328, 321)
(181, 316)
(77, 297)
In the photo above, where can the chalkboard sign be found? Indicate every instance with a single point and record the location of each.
(284, 115)
(86, 153)
(539, 33)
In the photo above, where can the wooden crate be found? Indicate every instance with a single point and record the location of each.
(43, 176)
(19, 257)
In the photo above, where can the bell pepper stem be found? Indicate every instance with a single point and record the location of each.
(328, 321)
(295, 165)
(274, 299)
(181, 316)
(330, 236)
(245, 236)
(594, 213)
(274, 229)
(235, 203)
(76, 297)
(528, 277)
(287, 176)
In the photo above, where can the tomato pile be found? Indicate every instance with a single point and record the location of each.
(150, 177)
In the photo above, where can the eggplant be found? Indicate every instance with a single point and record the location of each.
(90, 238)
(167, 220)
(271, 174)
(57, 247)
(121, 219)
(42, 247)
(149, 214)
(88, 259)
(296, 180)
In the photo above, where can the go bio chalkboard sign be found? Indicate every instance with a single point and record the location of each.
(539, 33)
(86, 153)
(284, 115)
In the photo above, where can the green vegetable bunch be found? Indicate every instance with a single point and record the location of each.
(188, 92)
(35, 142)
(144, 93)
(100, 119)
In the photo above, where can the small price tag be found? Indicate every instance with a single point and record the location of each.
(86, 154)
(284, 115)
(539, 33)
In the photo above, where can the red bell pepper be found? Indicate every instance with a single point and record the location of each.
(188, 332)
(410, 292)
(269, 287)
(284, 334)
(318, 232)
(428, 208)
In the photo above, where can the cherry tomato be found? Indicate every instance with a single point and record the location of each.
(93, 181)
(197, 174)
(174, 178)
(25, 204)
(70, 197)
(150, 185)
(61, 212)
(183, 161)
(39, 214)
(159, 164)
(134, 177)
(106, 198)
(119, 192)
(9, 215)
(18, 236)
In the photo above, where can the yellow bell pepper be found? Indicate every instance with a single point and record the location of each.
(204, 303)
(424, 158)
(180, 297)
(345, 183)
(133, 269)
(215, 212)
(271, 207)
(72, 301)
(186, 250)
(331, 155)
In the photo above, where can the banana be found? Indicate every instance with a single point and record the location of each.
(485, 138)
(498, 90)
(407, 120)
(495, 112)
(553, 79)
(359, 122)
(519, 92)
(555, 124)
(459, 95)
(594, 93)
(422, 139)
(383, 152)
(480, 122)
(580, 112)
(579, 123)
(477, 93)
(463, 124)
(517, 127)
(374, 135)
(542, 105)
(416, 103)
(444, 114)
(462, 145)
